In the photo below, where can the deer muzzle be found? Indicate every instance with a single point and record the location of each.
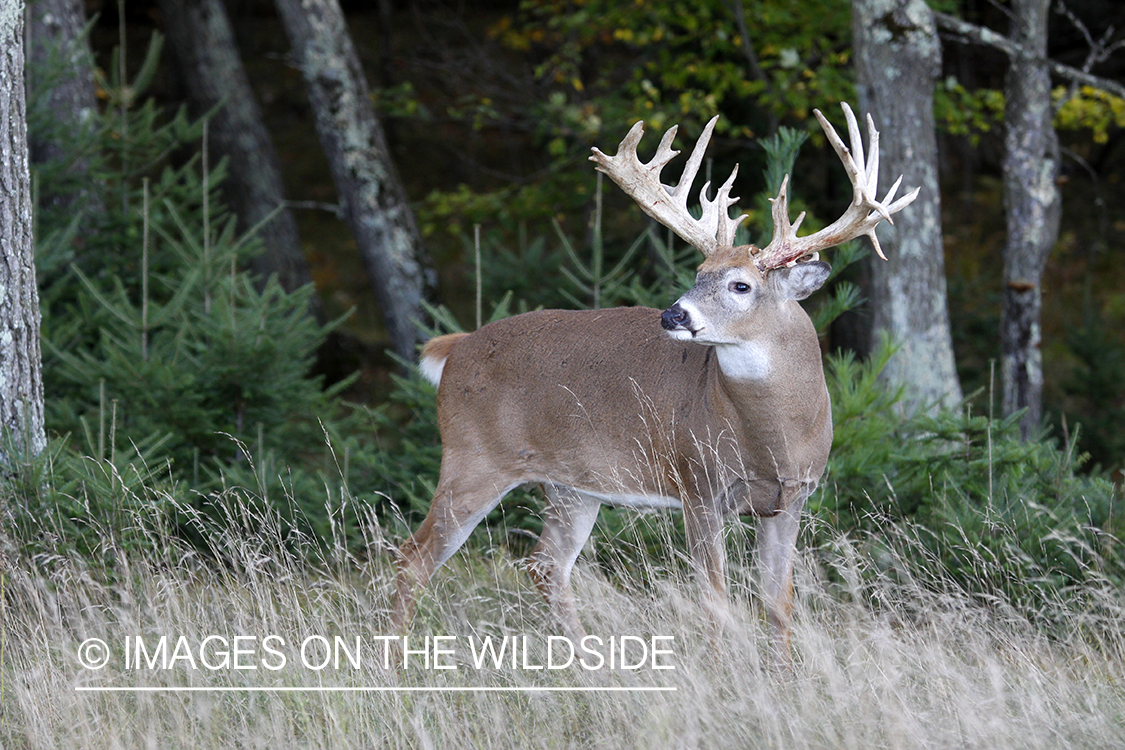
(675, 318)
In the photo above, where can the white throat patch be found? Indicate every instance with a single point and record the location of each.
(746, 361)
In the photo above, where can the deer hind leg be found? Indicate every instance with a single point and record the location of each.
(458, 506)
(568, 518)
(777, 544)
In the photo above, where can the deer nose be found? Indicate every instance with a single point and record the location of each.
(674, 317)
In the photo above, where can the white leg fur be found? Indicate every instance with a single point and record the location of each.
(777, 537)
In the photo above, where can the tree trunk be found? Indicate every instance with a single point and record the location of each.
(898, 60)
(21, 384)
(61, 71)
(207, 56)
(374, 201)
(1032, 208)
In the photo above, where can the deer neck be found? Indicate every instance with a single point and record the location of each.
(773, 355)
(770, 386)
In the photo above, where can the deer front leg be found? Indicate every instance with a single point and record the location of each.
(568, 519)
(777, 544)
(704, 527)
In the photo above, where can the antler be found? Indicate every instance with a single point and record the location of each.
(668, 204)
(860, 218)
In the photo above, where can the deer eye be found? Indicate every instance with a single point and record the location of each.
(739, 287)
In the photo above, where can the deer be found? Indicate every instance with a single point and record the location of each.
(716, 406)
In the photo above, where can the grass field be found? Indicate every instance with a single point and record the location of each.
(907, 660)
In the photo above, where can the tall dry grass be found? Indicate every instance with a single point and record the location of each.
(887, 654)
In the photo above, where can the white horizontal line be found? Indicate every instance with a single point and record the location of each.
(365, 689)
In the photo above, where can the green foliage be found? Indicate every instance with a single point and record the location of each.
(997, 513)
(164, 360)
(1096, 388)
(455, 211)
(959, 111)
(65, 500)
(520, 273)
(669, 272)
(601, 287)
(781, 154)
(602, 65)
(1086, 107)
(598, 286)
(685, 62)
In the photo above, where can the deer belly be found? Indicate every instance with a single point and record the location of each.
(630, 500)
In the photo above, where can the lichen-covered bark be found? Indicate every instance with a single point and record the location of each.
(56, 31)
(1032, 208)
(898, 60)
(374, 201)
(207, 56)
(21, 385)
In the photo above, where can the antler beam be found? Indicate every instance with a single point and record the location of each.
(862, 215)
(666, 203)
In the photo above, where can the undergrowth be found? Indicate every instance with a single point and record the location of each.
(889, 650)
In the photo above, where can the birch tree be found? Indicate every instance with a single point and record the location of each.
(204, 47)
(1032, 202)
(898, 60)
(374, 201)
(21, 384)
(61, 69)
(1032, 209)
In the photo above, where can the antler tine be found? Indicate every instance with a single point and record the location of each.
(664, 152)
(856, 141)
(668, 204)
(863, 214)
(716, 213)
(864, 177)
(873, 158)
(784, 233)
(691, 169)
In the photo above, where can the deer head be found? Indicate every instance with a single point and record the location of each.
(724, 410)
(738, 290)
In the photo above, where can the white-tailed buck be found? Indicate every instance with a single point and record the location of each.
(717, 406)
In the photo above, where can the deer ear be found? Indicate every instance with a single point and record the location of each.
(801, 280)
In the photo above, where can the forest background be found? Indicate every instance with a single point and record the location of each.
(494, 108)
(173, 370)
